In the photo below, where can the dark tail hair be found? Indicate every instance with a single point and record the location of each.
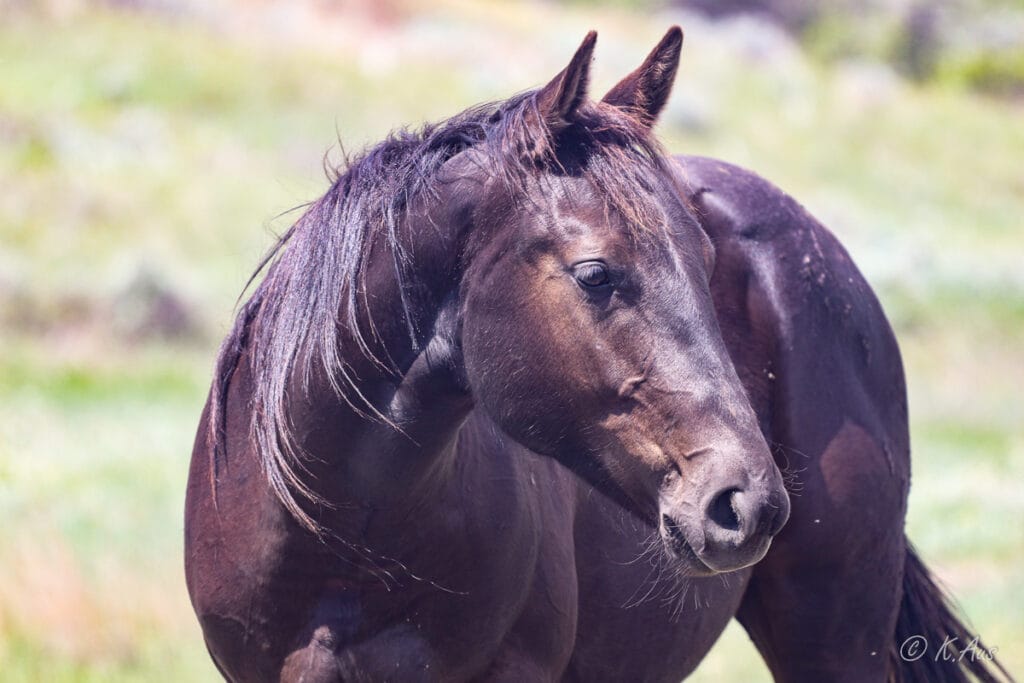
(932, 645)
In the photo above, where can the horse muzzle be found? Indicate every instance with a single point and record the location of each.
(728, 529)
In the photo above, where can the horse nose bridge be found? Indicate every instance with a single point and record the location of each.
(701, 412)
(723, 435)
(705, 387)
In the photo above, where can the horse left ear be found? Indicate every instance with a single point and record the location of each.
(558, 100)
(644, 93)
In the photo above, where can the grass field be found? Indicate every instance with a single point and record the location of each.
(145, 162)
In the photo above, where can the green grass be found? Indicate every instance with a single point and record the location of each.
(135, 144)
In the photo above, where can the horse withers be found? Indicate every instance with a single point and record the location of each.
(513, 392)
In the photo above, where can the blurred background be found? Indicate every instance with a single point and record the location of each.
(150, 150)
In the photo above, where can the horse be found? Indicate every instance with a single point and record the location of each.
(524, 398)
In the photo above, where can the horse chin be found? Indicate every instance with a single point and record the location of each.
(681, 552)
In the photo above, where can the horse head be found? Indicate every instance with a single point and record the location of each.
(585, 322)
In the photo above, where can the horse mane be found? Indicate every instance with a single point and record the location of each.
(295, 318)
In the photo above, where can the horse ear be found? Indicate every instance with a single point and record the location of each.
(644, 92)
(558, 100)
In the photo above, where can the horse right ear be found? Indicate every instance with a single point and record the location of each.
(558, 100)
(644, 93)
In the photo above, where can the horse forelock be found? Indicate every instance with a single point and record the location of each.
(314, 271)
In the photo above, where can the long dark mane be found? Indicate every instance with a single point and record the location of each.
(310, 296)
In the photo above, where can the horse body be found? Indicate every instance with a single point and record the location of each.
(501, 510)
(575, 590)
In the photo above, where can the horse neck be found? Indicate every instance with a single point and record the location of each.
(390, 435)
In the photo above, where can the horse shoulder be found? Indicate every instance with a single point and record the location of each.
(237, 546)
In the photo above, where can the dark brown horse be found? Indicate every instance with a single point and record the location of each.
(513, 401)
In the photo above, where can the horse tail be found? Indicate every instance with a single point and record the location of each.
(932, 644)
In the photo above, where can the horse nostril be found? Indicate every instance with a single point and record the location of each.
(722, 510)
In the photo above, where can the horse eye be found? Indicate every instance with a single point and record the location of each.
(591, 274)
